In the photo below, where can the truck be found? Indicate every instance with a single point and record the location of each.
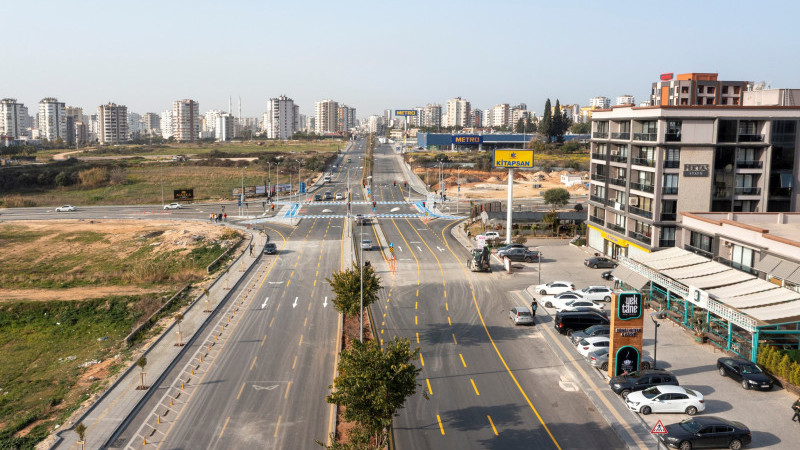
(479, 260)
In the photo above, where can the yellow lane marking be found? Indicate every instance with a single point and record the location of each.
(416, 305)
(417, 292)
(445, 292)
(317, 271)
(286, 395)
(454, 338)
(462, 359)
(253, 364)
(417, 338)
(277, 425)
(315, 282)
(264, 340)
(240, 391)
(288, 283)
(446, 307)
(492, 424)
(474, 387)
(494, 345)
(295, 264)
(224, 426)
(270, 324)
(294, 363)
(415, 320)
(449, 322)
(278, 308)
(430, 391)
(305, 322)
(440, 424)
(291, 275)
(301, 341)
(422, 360)
(308, 309)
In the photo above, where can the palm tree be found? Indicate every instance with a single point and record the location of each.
(179, 319)
(81, 430)
(141, 363)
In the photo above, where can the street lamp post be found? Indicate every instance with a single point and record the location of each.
(241, 195)
(655, 340)
(539, 260)
(277, 180)
(161, 166)
(361, 261)
(269, 180)
(299, 166)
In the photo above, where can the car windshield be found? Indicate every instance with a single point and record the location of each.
(651, 392)
(594, 329)
(570, 303)
(523, 313)
(601, 351)
(691, 392)
(690, 425)
(584, 342)
(750, 369)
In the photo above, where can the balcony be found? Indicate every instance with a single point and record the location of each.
(643, 162)
(601, 156)
(669, 190)
(642, 187)
(598, 177)
(600, 135)
(699, 251)
(740, 190)
(618, 158)
(672, 137)
(744, 137)
(748, 164)
(643, 238)
(597, 198)
(641, 212)
(666, 243)
(669, 164)
(617, 228)
(615, 204)
(626, 136)
(669, 217)
(617, 181)
(596, 220)
(644, 136)
(738, 266)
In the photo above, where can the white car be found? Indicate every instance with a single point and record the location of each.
(560, 299)
(366, 244)
(339, 196)
(66, 208)
(554, 287)
(173, 206)
(580, 305)
(666, 399)
(597, 293)
(492, 235)
(590, 344)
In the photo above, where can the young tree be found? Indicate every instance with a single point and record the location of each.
(346, 284)
(80, 429)
(373, 384)
(545, 125)
(556, 198)
(141, 363)
(179, 319)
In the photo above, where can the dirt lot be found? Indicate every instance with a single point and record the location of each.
(480, 185)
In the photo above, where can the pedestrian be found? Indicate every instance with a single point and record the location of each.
(267, 238)
(796, 408)
(534, 307)
(225, 217)
(211, 217)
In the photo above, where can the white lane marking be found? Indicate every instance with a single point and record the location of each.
(275, 282)
(394, 209)
(294, 305)
(419, 249)
(325, 303)
(400, 248)
(263, 388)
(263, 305)
(415, 242)
(440, 248)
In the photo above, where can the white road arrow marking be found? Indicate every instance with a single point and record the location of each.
(440, 248)
(400, 248)
(275, 282)
(264, 388)
(263, 305)
(415, 242)
(325, 303)
(294, 305)
(419, 249)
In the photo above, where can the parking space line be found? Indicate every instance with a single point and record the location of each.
(440, 424)
(492, 424)
(462, 359)
(474, 386)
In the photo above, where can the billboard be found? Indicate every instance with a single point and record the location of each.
(184, 194)
(405, 112)
(467, 139)
(666, 76)
(627, 325)
(513, 159)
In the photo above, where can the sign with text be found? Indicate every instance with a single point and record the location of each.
(667, 76)
(627, 323)
(513, 159)
(696, 170)
(466, 139)
(183, 194)
(405, 112)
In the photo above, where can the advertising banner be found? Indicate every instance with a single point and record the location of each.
(467, 139)
(405, 112)
(627, 324)
(184, 194)
(513, 159)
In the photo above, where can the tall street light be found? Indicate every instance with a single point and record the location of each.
(241, 195)
(361, 260)
(161, 166)
(277, 181)
(269, 179)
(655, 341)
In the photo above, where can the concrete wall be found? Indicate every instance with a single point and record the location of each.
(700, 186)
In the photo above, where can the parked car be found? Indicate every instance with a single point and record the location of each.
(580, 305)
(591, 344)
(361, 220)
(594, 330)
(329, 195)
(596, 262)
(552, 300)
(270, 248)
(339, 196)
(568, 321)
(554, 287)
(173, 206)
(366, 244)
(607, 275)
(706, 432)
(642, 379)
(666, 399)
(748, 373)
(519, 254)
(66, 208)
(599, 359)
(492, 235)
(317, 197)
(597, 293)
(521, 316)
(510, 246)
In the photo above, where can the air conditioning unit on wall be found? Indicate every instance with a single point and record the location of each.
(633, 201)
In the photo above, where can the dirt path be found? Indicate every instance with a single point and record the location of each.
(63, 156)
(79, 293)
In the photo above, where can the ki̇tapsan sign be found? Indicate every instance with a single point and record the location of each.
(513, 159)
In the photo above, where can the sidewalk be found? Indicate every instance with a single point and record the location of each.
(121, 398)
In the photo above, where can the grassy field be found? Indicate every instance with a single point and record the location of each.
(202, 148)
(56, 353)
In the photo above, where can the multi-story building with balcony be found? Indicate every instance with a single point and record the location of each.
(52, 119)
(648, 164)
(280, 120)
(186, 120)
(459, 113)
(600, 102)
(152, 123)
(113, 120)
(689, 89)
(13, 116)
(326, 114)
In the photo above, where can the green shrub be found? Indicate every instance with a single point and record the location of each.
(785, 367)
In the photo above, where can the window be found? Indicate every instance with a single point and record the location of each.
(684, 89)
(649, 127)
(742, 256)
(724, 89)
(619, 220)
(747, 127)
(668, 234)
(672, 158)
(736, 90)
(710, 89)
(701, 242)
(670, 184)
(726, 131)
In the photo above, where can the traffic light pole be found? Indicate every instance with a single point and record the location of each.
(510, 206)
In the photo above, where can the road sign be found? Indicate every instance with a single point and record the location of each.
(659, 428)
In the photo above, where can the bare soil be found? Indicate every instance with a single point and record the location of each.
(480, 185)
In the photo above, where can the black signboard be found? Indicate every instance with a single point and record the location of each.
(696, 170)
(629, 305)
(184, 194)
(626, 360)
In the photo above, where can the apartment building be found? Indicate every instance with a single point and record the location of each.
(210, 122)
(280, 119)
(771, 97)
(152, 123)
(224, 127)
(52, 119)
(186, 120)
(648, 164)
(625, 99)
(689, 89)
(346, 118)
(433, 115)
(459, 113)
(599, 102)
(167, 130)
(13, 116)
(113, 120)
(501, 115)
(326, 114)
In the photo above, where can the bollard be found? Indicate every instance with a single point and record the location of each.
(181, 385)
(159, 420)
(192, 371)
(145, 441)
(170, 402)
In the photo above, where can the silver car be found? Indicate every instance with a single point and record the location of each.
(599, 359)
(521, 316)
(366, 244)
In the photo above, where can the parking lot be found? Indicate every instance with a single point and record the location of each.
(767, 414)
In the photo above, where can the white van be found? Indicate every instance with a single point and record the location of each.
(327, 178)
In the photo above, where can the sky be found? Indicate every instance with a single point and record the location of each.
(376, 55)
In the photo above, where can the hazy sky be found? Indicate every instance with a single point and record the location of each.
(377, 54)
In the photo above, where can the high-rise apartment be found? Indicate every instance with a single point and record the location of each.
(688, 89)
(152, 123)
(346, 118)
(210, 123)
(648, 164)
(185, 120)
(52, 119)
(113, 120)
(224, 127)
(433, 115)
(625, 99)
(280, 119)
(327, 117)
(600, 102)
(459, 113)
(167, 130)
(13, 116)
(501, 115)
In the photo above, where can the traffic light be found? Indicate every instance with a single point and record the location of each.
(374, 204)
(405, 183)
(272, 207)
(395, 183)
(423, 204)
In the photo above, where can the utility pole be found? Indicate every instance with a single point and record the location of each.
(361, 261)
(161, 167)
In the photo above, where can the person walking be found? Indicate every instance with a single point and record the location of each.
(225, 217)
(534, 307)
(796, 408)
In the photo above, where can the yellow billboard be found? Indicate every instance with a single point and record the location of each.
(513, 159)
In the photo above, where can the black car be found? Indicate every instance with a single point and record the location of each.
(566, 322)
(642, 379)
(510, 246)
(270, 248)
(317, 197)
(607, 275)
(594, 330)
(748, 373)
(596, 262)
(706, 432)
(329, 195)
(520, 254)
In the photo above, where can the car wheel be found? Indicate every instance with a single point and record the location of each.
(645, 365)
(594, 266)
(691, 410)
(607, 299)
(625, 393)
(548, 304)
(569, 332)
(685, 445)
(745, 385)
(646, 410)
(543, 292)
(604, 366)
(722, 371)
(528, 259)
(735, 444)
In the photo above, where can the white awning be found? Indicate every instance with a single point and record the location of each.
(777, 295)
(696, 270)
(780, 313)
(629, 277)
(724, 278)
(744, 288)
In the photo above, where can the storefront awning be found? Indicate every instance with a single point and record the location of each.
(630, 277)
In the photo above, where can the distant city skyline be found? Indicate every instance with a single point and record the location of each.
(376, 56)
